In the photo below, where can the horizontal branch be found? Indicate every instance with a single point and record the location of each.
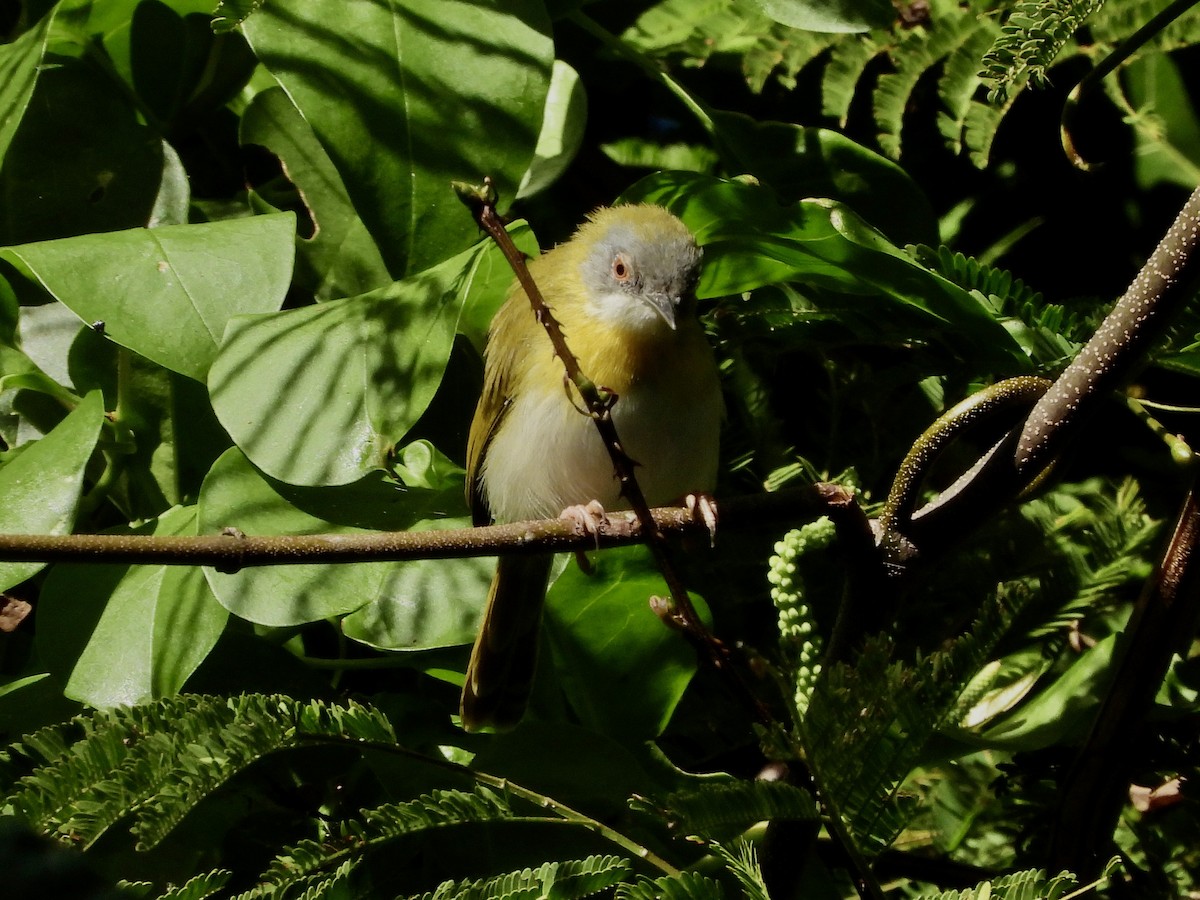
(233, 551)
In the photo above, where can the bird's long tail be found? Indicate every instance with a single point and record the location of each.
(503, 660)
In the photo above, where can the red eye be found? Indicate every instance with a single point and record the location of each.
(620, 269)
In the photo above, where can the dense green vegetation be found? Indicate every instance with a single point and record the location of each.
(239, 295)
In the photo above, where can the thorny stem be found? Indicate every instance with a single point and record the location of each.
(680, 613)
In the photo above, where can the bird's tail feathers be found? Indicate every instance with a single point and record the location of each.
(503, 660)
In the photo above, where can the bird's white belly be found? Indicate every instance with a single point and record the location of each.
(548, 456)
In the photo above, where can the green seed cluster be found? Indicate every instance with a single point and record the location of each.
(797, 628)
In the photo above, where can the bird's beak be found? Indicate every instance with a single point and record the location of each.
(664, 305)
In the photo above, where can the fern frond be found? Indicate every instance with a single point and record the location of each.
(569, 880)
(156, 761)
(310, 864)
(1049, 335)
(742, 862)
(959, 122)
(1033, 884)
(198, 888)
(684, 886)
(919, 51)
(1030, 40)
(843, 72)
(861, 750)
(1106, 540)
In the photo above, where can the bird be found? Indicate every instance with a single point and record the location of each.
(623, 291)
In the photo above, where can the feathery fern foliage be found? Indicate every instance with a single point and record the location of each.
(1030, 40)
(154, 763)
(569, 880)
(684, 886)
(1033, 884)
(979, 56)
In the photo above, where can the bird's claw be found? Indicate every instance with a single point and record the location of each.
(588, 518)
(703, 509)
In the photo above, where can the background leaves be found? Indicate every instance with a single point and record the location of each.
(257, 206)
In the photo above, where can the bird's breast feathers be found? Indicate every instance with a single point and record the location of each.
(547, 455)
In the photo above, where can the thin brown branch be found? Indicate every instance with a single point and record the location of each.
(234, 551)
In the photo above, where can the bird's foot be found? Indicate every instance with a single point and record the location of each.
(703, 509)
(588, 518)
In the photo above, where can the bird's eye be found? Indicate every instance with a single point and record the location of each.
(620, 268)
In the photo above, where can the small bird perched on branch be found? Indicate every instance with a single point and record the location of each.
(622, 288)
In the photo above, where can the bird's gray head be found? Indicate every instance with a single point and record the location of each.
(641, 265)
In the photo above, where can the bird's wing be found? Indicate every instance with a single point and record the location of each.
(493, 405)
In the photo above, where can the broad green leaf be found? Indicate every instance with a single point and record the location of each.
(750, 241)
(129, 633)
(643, 154)
(562, 130)
(417, 605)
(340, 259)
(406, 97)
(80, 162)
(425, 603)
(839, 16)
(320, 395)
(1060, 712)
(622, 670)
(805, 163)
(167, 293)
(170, 57)
(40, 488)
(20, 64)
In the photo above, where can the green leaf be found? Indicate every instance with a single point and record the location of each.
(340, 259)
(563, 122)
(622, 670)
(40, 488)
(138, 631)
(750, 241)
(838, 16)
(322, 394)
(803, 163)
(80, 161)
(427, 603)
(406, 97)
(179, 284)
(1063, 710)
(20, 65)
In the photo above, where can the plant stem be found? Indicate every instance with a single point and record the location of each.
(506, 786)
